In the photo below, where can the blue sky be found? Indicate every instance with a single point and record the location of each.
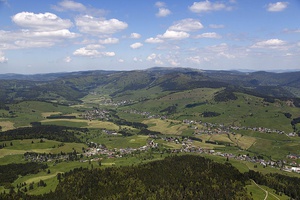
(66, 35)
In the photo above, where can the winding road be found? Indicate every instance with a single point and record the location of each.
(267, 193)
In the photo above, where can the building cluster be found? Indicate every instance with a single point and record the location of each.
(146, 114)
(96, 114)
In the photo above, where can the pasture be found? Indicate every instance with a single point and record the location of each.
(166, 126)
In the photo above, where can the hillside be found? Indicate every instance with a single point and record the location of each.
(70, 87)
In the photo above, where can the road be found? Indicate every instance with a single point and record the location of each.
(267, 193)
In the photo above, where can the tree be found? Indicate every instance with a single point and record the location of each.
(31, 186)
(59, 177)
(42, 184)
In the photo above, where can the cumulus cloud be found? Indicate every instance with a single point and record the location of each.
(3, 59)
(174, 35)
(64, 33)
(120, 60)
(85, 51)
(109, 41)
(277, 7)
(160, 4)
(271, 44)
(109, 54)
(154, 40)
(92, 25)
(34, 39)
(173, 62)
(68, 59)
(136, 45)
(209, 35)
(155, 58)
(195, 59)
(207, 6)
(186, 25)
(135, 35)
(41, 22)
(226, 55)
(162, 10)
(137, 59)
(32, 44)
(94, 46)
(69, 5)
(39, 30)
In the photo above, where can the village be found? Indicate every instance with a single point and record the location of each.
(97, 152)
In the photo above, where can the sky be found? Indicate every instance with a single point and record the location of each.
(62, 36)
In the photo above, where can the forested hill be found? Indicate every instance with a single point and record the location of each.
(179, 177)
(70, 87)
(175, 177)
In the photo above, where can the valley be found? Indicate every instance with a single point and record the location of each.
(104, 120)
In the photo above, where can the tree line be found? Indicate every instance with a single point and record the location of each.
(50, 132)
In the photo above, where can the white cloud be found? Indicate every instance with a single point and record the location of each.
(291, 30)
(207, 6)
(195, 59)
(151, 56)
(271, 44)
(92, 25)
(68, 59)
(136, 45)
(163, 12)
(32, 44)
(155, 58)
(168, 46)
(137, 59)
(209, 35)
(174, 63)
(109, 54)
(94, 46)
(186, 25)
(109, 41)
(40, 30)
(84, 51)
(33, 39)
(64, 33)
(3, 59)
(218, 48)
(135, 35)
(41, 22)
(120, 60)
(174, 35)
(69, 5)
(154, 40)
(226, 55)
(160, 4)
(216, 26)
(277, 7)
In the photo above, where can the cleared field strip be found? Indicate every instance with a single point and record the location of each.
(166, 126)
(6, 125)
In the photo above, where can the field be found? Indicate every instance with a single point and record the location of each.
(23, 113)
(166, 126)
(18, 147)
